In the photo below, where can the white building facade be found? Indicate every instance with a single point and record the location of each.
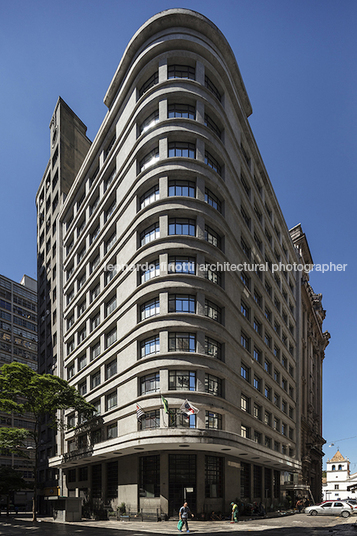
(339, 479)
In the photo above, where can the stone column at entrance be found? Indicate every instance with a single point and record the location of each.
(164, 483)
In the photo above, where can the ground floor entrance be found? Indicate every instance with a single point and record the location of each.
(182, 482)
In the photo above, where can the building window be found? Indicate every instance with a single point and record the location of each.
(111, 400)
(245, 403)
(213, 477)
(94, 234)
(149, 83)
(95, 379)
(213, 420)
(213, 385)
(150, 346)
(257, 326)
(150, 234)
(244, 372)
(181, 380)
(150, 308)
(181, 71)
(212, 125)
(94, 293)
(150, 476)
(245, 341)
(112, 430)
(182, 149)
(213, 200)
(82, 361)
(95, 351)
(267, 418)
(245, 431)
(257, 412)
(177, 419)
(149, 159)
(182, 303)
(182, 342)
(257, 383)
(150, 271)
(212, 163)
(70, 372)
(182, 188)
(267, 392)
(150, 383)
(95, 322)
(212, 237)
(213, 89)
(150, 196)
(257, 354)
(110, 243)
(213, 311)
(214, 275)
(257, 437)
(182, 265)
(110, 306)
(110, 210)
(110, 369)
(151, 419)
(149, 122)
(213, 348)
(82, 388)
(181, 110)
(110, 338)
(182, 226)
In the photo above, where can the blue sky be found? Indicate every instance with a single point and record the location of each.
(298, 62)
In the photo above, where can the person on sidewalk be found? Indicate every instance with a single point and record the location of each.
(235, 512)
(184, 512)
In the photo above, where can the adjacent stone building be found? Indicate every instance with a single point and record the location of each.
(313, 344)
(169, 234)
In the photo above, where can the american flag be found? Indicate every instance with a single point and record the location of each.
(139, 412)
(188, 408)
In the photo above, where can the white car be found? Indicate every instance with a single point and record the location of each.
(330, 508)
(352, 503)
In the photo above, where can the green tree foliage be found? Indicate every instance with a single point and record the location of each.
(23, 390)
(13, 440)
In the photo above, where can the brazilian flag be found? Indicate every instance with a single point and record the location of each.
(165, 404)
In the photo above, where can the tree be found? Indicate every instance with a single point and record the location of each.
(23, 390)
(10, 481)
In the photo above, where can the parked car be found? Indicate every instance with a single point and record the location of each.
(353, 503)
(330, 508)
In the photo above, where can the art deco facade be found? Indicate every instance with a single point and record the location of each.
(172, 185)
(18, 342)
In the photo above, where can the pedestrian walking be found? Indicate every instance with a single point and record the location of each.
(235, 512)
(184, 512)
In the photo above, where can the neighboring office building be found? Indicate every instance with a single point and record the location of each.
(68, 146)
(174, 180)
(313, 344)
(18, 342)
(340, 483)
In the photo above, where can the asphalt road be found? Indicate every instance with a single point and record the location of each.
(295, 525)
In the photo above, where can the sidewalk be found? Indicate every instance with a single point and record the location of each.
(164, 527)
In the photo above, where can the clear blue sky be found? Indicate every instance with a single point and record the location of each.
(298, 62)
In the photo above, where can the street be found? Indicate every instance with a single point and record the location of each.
(294, 525)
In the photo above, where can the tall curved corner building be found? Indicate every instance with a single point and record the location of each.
(173, 324)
